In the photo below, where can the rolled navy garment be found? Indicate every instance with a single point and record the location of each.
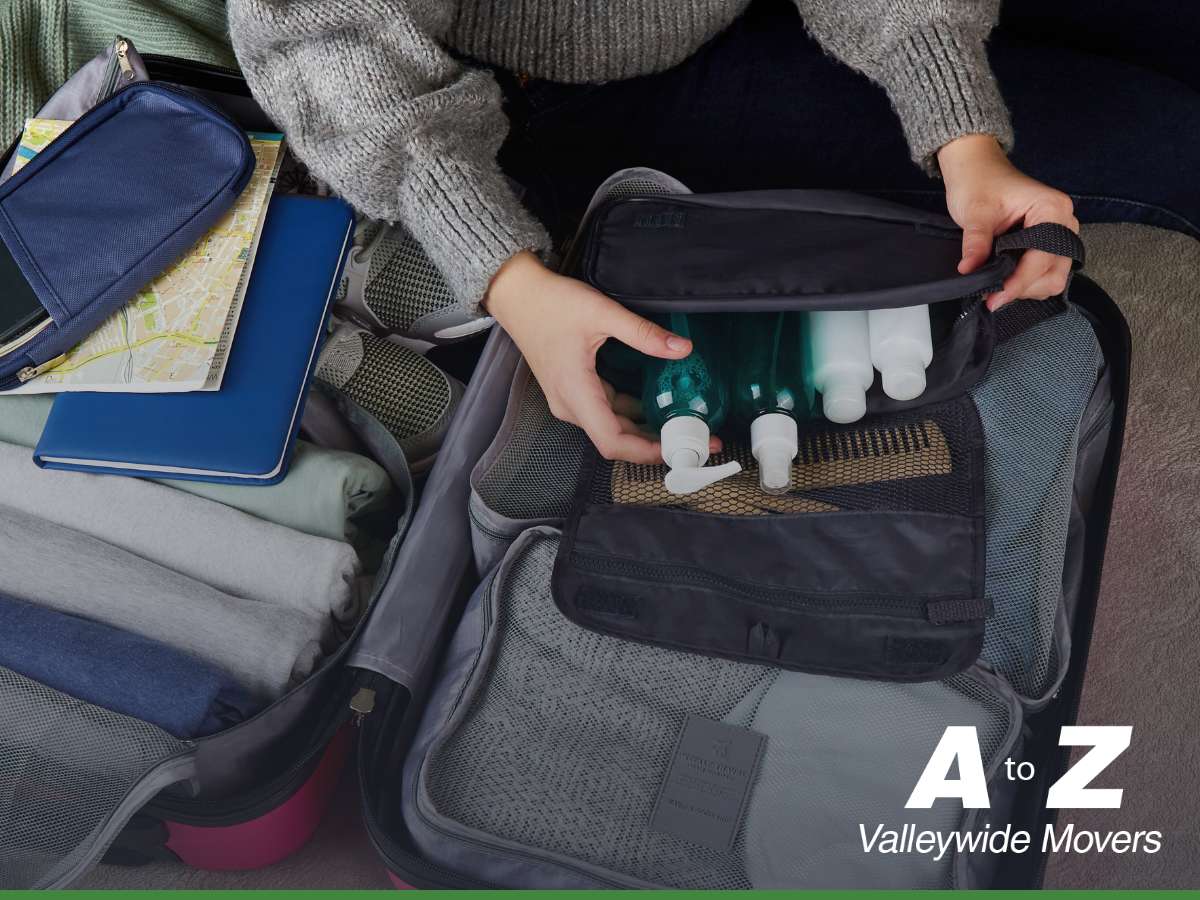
(120, 671)
(225, 548)
(266, 647)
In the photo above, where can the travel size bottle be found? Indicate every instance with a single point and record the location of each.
(686, 400)
(769, 391)
(838, 360)
(901, 349)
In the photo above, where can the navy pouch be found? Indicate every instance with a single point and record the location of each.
(110, 204)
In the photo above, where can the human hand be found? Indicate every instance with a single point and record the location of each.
(986, 196)
(559, 324)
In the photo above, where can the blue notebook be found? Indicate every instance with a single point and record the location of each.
(244, 433)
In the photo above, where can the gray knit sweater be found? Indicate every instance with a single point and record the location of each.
(377, 107)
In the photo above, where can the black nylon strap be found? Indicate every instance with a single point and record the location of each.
(949, 612)
(1049, 237)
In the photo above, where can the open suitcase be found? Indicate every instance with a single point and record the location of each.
(537, 680)
(504, 745)
(79, 783)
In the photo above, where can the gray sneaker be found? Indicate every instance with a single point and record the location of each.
(391, 287)
(408, 394)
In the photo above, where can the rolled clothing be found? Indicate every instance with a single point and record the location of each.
(324, 493)
(206, 541)
(266, 647)
(120, 671)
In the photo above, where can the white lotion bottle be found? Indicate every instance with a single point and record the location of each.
(839, 362)
(901, 349)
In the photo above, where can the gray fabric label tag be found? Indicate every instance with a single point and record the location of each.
(703, 798)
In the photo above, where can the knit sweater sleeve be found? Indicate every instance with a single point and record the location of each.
(375, 107)
(928, 55)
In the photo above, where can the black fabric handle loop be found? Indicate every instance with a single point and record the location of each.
(1050, 237)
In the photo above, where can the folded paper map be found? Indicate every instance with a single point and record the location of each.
(175, 334)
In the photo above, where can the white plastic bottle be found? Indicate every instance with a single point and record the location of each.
(839, 362)
(901, 349)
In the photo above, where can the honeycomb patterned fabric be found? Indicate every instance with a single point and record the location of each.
(403, 390)
(568, 735)
(404, 285)
(64, 766)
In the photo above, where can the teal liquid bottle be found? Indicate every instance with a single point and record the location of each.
(770, 392)
(686, 400)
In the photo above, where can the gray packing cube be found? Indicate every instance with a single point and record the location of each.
(511, 746)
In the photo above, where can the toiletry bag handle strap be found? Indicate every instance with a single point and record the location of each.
(1050, 237)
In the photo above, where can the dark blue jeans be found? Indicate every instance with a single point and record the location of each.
(761, 106)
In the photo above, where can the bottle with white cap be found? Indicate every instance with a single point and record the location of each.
(901, 349)
(687, 400)
(769, 392)
(838, 358)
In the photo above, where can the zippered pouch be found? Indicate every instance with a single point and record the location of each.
(872, 563)
(106, 207)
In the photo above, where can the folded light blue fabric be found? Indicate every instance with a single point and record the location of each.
(120, 671)
(325, 493)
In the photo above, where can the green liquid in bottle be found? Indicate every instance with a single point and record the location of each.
(769, 360)
(693, 386)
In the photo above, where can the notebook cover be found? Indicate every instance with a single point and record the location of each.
(243, 433)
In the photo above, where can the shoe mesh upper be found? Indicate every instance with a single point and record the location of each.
(403, 285)
(407, 393)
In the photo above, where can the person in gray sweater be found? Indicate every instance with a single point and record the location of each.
(378, 102)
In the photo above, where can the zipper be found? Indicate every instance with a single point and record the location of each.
(189, 811)
(202, 812)
(122, 51)
(31, 372)
(19, 342)
(118, 67)
(910, 607)
(362, 704)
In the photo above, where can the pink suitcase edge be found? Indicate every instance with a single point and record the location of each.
(272, 837)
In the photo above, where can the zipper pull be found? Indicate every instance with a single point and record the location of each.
(122, 51)
(362, 705)
(31, 372)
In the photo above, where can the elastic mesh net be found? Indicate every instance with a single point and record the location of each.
(1031, 404)
(64, 766)
(407, 393)
(919, 461)
(534, 474)
(403, 284)
(565, 745)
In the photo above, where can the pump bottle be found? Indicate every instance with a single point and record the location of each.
(769, 391)
(838, 359)
(901, 349)
(686, 400)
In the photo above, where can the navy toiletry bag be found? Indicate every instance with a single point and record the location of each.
(110, 204)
